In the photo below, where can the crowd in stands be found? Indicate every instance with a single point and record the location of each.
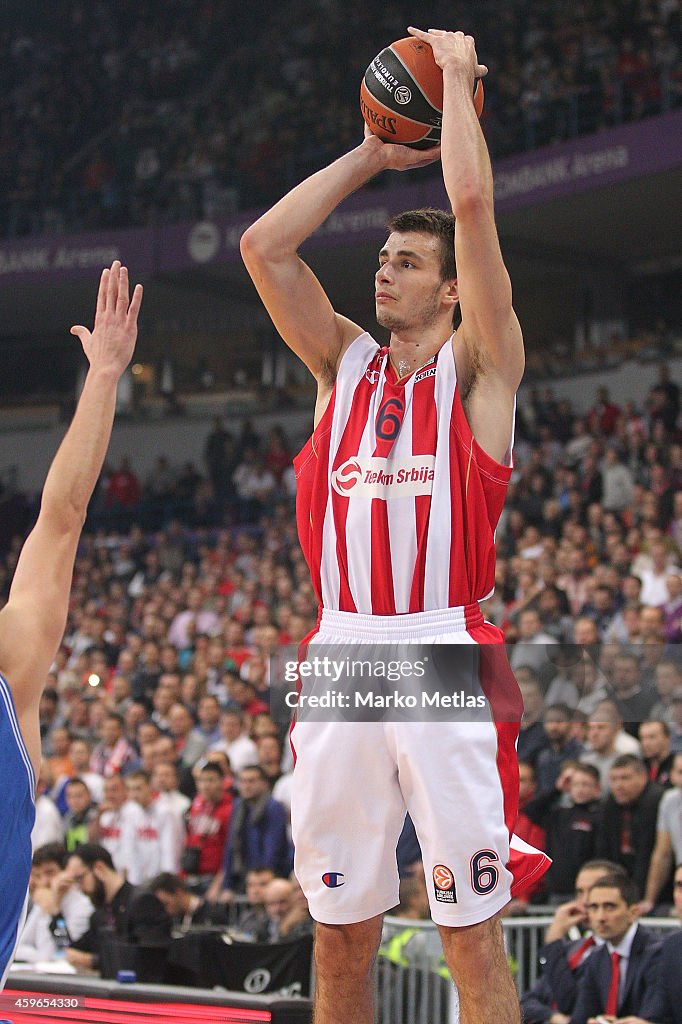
(125, 114)
(166, 776)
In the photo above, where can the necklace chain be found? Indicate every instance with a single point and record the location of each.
(415, 369)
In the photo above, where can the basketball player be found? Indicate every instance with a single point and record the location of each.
(33, 620)
(392, 561)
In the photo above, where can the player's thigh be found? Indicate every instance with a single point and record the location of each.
(347, 813)
(452, 788)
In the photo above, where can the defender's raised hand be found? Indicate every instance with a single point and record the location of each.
(110, 344)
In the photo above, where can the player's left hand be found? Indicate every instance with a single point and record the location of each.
(452, 48)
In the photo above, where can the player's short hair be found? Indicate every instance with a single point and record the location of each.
(138, 773)
(214, 768)
(254, 768)
(628, 889)
(429, 221)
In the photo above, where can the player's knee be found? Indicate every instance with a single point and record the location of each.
(344, 949)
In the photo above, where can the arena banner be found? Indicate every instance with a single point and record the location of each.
(590, 162)
(42, 258)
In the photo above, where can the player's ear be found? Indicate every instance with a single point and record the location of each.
(451, 296)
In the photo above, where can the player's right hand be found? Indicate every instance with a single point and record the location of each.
(399, 158)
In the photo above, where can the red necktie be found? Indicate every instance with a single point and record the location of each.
(612, 998)
(575, 959)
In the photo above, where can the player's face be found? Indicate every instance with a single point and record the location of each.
(409, 291)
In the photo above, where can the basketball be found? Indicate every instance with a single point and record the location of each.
(401, 95)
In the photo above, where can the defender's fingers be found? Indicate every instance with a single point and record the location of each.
(135, 304)
(112, 290)
(123, 292)
(102, 293)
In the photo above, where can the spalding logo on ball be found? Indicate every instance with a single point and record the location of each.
(401, 95)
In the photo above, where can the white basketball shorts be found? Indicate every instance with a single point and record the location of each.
(354, 781)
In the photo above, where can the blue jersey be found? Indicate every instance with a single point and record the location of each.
(18, 815)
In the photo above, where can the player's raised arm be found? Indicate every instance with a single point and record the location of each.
(492, 349)
(33, 620)
(292, 295)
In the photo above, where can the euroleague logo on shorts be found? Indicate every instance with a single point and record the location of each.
(374, 477)
(332, 879)
(444, 884)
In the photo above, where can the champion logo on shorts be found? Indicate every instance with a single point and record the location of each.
(444, 884)
(332, 879)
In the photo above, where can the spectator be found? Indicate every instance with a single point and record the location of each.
(672, 608)
(59, 912)
(113, 753)
(565, 953)
(668, 848)
(153, 835)
(634, 702)
(570, 826)
(137, 918)
(208, 727)
(628, 950)
(123, 488)
(562, 747)
(235, 741)
(187, 909)
(604, 734)
(654, 577)
(627, 831)
(48, 827)
(668, 678)
(258, 832)
(654, 738)
(665, 1002)
(676, 720)
(81, 812)
(532, 641)
(107, 827)
(80, 753)
(532, 735)
(165, 783)
(285, 920)
(189, 744)
(208, 825)
(617, 482)
(253, 923)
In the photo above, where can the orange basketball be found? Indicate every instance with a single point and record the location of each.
(401, 95)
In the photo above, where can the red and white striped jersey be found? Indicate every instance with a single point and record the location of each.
(397, 503)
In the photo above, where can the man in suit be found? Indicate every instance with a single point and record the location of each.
(620, 976)
(564, 956)
(663, 1004)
